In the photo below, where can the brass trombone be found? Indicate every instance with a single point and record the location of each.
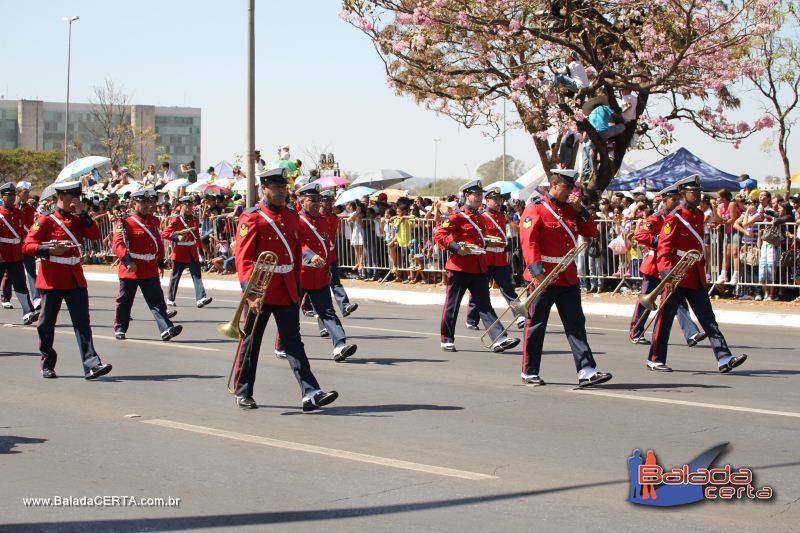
(257, 286)
(522, 306)
(649, 300)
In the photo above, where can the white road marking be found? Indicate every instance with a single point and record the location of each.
(686, 403)
(330, 452)
(136, 341)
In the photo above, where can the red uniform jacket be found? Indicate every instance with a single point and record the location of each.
(186, 251)
(12, 232)
(143, 249)
(647, 236)
(676, 239)
(312, 277)
(545, 241)
(65, 271)
(333, 231)
(28, 215)
(495, 252)
(256, 235)
(456, 229)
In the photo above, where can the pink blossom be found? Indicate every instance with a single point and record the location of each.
(541, 135)
(364, 24)
(514, 25)
(400, 46)
(462, 18)
(405, 18)
(519, 82)
(742, 127)
(579, 116)
(764, 122)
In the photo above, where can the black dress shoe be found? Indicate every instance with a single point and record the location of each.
(30, 318)
(320, 399)
(171, 313)
(347, 351)
(48, 373)
(697, 337)
(733, 363)
(171, 333)
(97, 371)
(349, 309)
(502, 346)
(119, 335)
(660, 367)
(473, 327)
(324, 333)
(536, 381)
(246, 403)
(598, 378)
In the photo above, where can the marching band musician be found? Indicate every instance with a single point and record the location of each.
(315, 272)
(271, 226)
(185, 252)
(647, 236)
(12, 231)
(683, 231)
(28, 218)
(56, 238)
(140, 250)
(328, 197)
(462, 234)
(549, 230)
(496, 258)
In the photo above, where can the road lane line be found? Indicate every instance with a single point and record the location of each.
(330, 452)
(134, 341)
(789, 414)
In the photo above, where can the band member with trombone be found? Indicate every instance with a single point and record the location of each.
(270, 226)
(140, 250)
(12, 231)
(183, 230)
(496, 258)
(549, 237)
(463, 235)
(315, 272)
(56, 239)
(647, 236)
(680, 248)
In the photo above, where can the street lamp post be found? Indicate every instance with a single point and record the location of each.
(504, 139)
(70, 19)
(435, 163)
(252, 197)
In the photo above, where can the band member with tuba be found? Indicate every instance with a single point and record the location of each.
(56, 238)
(683, 232)
(315, 272)
(548, 231)
(496, 258)
(12, 231)
(183, 230)
(462, 234)
(271, 226)
(140, 250)
(647, 236)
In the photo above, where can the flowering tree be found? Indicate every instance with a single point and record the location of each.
(461, 57)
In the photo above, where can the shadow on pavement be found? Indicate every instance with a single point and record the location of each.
(356, 410)
(388, 361)
(766, 373)
(9, 442)
(645, 386)
(155, 377)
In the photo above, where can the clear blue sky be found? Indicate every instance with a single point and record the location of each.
(319, 82)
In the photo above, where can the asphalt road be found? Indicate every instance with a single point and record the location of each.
(419, 439)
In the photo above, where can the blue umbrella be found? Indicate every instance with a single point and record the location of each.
(81, 166)
(506, 187)
(354, 194)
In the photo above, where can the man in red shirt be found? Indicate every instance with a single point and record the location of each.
(185, 252)
(683, 231)
(548, 231)
(56, 239)
(12, 231)
(140, 250)
(271, 226)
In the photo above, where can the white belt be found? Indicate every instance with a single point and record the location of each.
(283, 269)
(681, 253)
(649, 252)
(496, 249)
(550, 259)
(186, 243)
(142, 257)
(64, 260)
(10, 241)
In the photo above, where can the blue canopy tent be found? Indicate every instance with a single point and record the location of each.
(673, 167)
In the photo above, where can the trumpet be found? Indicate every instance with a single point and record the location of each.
(183, 231)
(649, 300)
(522, 306)
(65, 244)
(263, 269)
(473, 249)
(494, 239)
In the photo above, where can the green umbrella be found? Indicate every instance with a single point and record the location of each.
(281, 163)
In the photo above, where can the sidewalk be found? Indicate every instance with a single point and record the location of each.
(727, 311)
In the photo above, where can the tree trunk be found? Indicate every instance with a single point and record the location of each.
(785, 159)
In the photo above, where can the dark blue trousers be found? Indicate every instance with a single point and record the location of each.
(701, 305)
(77, 300)
(458, 283)
(29, 262)
(335, 286)
(175, 278)
(649, 283)
(153, 295)
(502, 275)
(322, 303)
(15, 273)
(568, 302)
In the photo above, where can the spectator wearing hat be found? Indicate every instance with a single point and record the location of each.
(140, 250)
(12, 231)
(183, 231)
(462, 234)
(56, 238)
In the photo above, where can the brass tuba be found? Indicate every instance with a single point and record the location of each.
(257, 286)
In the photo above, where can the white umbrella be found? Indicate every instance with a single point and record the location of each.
(383, 178)
(240, 186)
(81, 166)
(223, 169)
(174, 185)
(201, 178)
(131, 187)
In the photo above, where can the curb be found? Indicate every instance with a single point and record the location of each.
(407, 298)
